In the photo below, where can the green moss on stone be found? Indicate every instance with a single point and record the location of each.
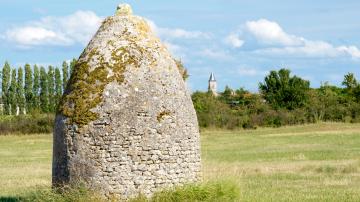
(85, 91)
(86, 85)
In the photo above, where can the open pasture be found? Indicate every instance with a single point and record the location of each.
(319, 162)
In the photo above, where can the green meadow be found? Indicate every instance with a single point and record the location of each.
(318, 162)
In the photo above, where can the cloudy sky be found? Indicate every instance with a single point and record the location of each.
(239, 40)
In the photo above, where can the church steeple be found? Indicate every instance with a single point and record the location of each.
(212, 77)
(212, 84)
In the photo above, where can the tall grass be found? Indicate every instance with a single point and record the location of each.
(211, 191)
(225, 191)
(78, 194)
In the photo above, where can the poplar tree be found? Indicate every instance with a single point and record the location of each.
(58, 86)
(36, 88)
(20, 91)
(72, 65)
(51, 88)
(65, 72)
(44, 95)
(29, 96)
(12, 92)
(5, 87)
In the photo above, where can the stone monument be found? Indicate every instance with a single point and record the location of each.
(126, 123)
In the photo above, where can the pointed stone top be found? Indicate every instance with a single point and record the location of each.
(212, 77)
(123, 9)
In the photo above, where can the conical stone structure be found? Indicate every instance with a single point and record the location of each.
(126, 124)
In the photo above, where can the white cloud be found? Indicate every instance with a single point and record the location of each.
(175, 38)
(173, 48)
(172, 33)
(78, 27)
(273, 40)
(176, 50)
(234, 40)
(351, 50)
(181, 33)
(318, 49)
(249, 71)
(215, 54)
(269, 32)
(32, 36)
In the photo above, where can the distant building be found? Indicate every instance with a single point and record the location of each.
(212, 85)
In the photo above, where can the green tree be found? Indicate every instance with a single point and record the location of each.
(356, 93)
(51, 88)
(44, 94)
(316, 106)
(29, 96)
(5, 87)
(72, 65)
(58, 86)
(352, 87)
(211, 112)
(334, 101)
(20, 91)
(36, 89)
(227, 95)
(243, 96)
(284, 91)
(65, 72)
(12, 92)
(350, 81)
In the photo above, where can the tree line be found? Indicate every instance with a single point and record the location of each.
(36, 91)
(39, 89)
(27, 89)
(283, 99)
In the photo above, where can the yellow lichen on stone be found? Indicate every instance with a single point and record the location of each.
(96, 68)
(143, 28)
(124, 9)
(162, 114)
(86, 87)
(85, 91)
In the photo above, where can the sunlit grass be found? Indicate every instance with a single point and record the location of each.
(318, 162)
(25, 162)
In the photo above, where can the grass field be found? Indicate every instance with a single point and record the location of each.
(318, 162)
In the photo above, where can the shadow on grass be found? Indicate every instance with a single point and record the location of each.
(9, 199)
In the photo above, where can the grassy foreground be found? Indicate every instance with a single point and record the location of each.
(301, 163)
(318, 162)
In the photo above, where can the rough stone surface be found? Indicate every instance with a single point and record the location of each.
(126, 124)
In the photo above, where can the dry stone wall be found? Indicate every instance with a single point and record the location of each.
(126, 124)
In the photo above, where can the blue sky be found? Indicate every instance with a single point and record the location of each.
(238, 40)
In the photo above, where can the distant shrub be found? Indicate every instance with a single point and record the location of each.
(212, 112)
(27, 124)
(241, 109)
